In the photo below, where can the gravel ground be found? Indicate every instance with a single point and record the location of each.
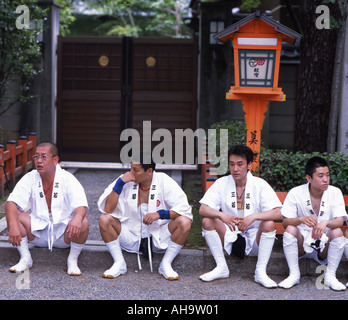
(52, 283)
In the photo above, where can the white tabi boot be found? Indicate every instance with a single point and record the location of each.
(346, 253)
(334, 255)
(165, 268)
(291, 254)
(265, 249)
(75, 250)
(119, 267)
(25, 261)
(214, 243)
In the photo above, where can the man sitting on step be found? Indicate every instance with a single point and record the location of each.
(238, 213)
(143, 206)
(47, 208)
(313, 214)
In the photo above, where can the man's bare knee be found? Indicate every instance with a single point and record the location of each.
(291, 230)
(267, 226)
(208, 224)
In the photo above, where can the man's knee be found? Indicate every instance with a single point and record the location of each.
(336, 233)
(267, 226)
(105, 220)
(291, 230)
(208, 224)
(184, 223)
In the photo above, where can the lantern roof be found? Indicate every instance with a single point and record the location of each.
(288, 35)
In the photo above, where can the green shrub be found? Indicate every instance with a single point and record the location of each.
(284, 170)
(236, 131)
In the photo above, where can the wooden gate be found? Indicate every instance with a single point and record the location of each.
(106, 85)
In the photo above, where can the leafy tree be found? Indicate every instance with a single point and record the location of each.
(19, 49)
(65, 15)
(142, 17)
(170, 16)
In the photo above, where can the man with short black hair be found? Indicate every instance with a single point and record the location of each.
(144, 206)
(313, 215)
(238, 213)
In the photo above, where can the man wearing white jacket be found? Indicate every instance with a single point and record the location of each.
(313, 215)
(238, 213)
(47, 208)
(144, 204)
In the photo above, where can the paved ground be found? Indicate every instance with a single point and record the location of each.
(47, 280)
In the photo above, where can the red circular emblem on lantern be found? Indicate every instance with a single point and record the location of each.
(260, 61)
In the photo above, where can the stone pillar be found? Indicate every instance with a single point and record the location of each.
(46, 117)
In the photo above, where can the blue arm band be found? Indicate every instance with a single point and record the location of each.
(118, 186)
(164, 214)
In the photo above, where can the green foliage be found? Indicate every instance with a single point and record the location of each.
(282, 169)
(249, 5)
(138, 18)
(19, 50)
(65, 15)
(236, 131)
(169, 17)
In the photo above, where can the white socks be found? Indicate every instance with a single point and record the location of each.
(25, 261)
(334, 255)
(75, 250)
(221, 270)
(119, 267)
(165, 268)
(265, 249)
(291, 254)
(214, 243)
(335, 251)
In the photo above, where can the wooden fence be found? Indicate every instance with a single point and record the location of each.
(16, 160)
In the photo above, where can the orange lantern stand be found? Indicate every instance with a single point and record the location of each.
(257, 43)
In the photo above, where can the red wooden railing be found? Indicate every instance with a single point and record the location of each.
(16, 160)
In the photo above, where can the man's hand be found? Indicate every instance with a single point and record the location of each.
(74, 227)
(15, 237)
(309, 221)
(231, 221)
(245, 222)
(150, 218)
(128, 177)
(319, 229)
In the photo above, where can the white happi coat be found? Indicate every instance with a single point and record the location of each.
(298, 204)
(258, 197)
(67, 195)
(164, 193)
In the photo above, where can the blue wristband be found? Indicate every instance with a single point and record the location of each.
(164, 214)
(118, 186)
